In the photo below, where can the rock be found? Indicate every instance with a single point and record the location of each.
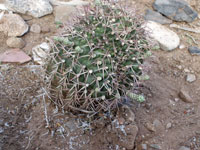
(158, 125)
(190, 78)
(179, 67)
(35, 28)
(150, 127)
(181, 46)
(186, 70)
(169, 125)
(1, 130)
(35, 8)
(177, 10)
(194, 50)
(70, 3)
(128, 141)
(13, 25)
(122, 135)
(15, 42)
(142, 147)
(40, 53)
(167, 39)
(157, 17)
(1, 121)
(184, 148)
(155, 146)
(176, 99)
(184, 96)
(45, 46)
(14, 56)
(63, 13)
(171, 102)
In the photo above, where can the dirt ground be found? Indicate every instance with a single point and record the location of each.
(23, 125)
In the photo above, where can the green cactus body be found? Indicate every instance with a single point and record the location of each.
(99, 58)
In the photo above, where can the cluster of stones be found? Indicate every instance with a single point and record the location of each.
(164, 13)
(14, 26)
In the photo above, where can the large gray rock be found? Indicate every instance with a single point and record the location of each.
(35, 8)
(177, 10)
(156, 16)
(13, 25)
(167, 39)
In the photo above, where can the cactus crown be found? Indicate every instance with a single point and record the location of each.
(97, 59)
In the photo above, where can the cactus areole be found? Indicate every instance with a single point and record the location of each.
(95, 61)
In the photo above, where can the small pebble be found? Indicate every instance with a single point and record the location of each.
(35, 28)
(181, 46)
(179, 67)
(142, 147)
(12, 112)
(169, 125)
(157, 123)
(184, 96)
(45, 46)
(155, 146)
(1, 121)
(190, 78)
(1, 130)
(176, 99)
(194, 50)
(172, 103)
(150, 127)
(186, 70)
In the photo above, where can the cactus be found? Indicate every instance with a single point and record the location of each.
(97, 59)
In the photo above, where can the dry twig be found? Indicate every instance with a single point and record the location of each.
(193, 39)
(197, 30)
(45, 112)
